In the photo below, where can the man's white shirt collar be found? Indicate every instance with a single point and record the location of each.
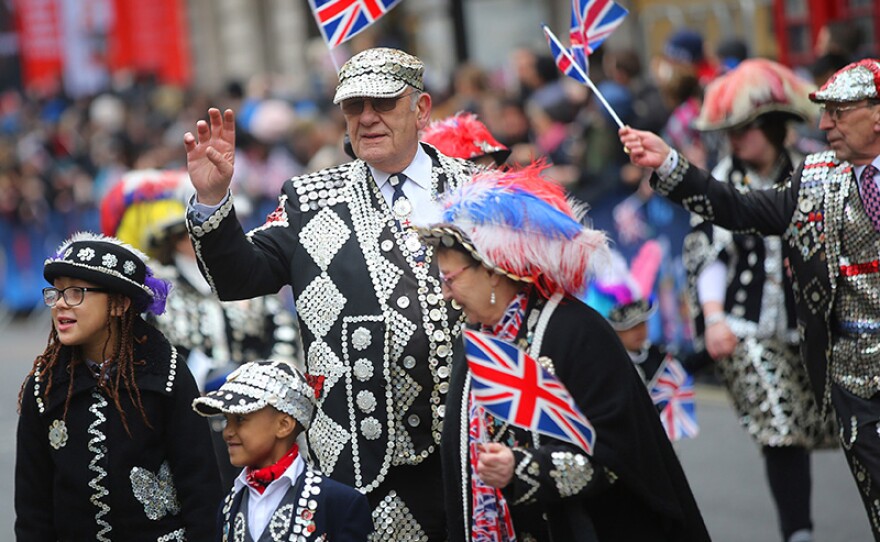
(418, 171)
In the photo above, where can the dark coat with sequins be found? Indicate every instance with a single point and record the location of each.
(373, 321)
(631, 488)
(809, 217)
(92, 481)
(324, 511)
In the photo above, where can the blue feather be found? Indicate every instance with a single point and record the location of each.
(513, 208)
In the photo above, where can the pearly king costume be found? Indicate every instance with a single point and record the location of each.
(305, 505)
(82, 476)
(526, 230)
(832, 248)
(373, 320)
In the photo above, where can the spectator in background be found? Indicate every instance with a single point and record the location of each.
(263, 161)
(742, 299)
(679, 72)
(730, 52)
(842, 38)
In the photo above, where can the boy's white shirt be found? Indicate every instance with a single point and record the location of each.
(261, 507)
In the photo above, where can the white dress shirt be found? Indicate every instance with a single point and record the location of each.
(261, 507)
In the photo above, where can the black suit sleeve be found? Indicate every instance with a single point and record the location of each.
(764, 212)
(240, 266)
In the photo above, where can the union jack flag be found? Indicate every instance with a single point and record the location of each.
(564, 61)
(591, 22)
(512, 386)
(672, 391)
(341, 20)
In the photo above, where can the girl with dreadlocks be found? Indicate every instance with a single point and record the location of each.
(108, 445)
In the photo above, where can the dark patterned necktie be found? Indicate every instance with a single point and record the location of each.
(871, 195)
(402, 209)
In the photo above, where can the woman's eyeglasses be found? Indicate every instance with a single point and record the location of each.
(73, 295)
(447, 279)
(355, 106)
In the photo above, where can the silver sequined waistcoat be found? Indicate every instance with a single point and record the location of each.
(856, 350)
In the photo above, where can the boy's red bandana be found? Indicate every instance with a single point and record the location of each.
(260, 479)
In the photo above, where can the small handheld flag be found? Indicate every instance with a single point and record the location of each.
(341, 20)
(569, 67)
(672, 391)
(591, 22)
(512, 386)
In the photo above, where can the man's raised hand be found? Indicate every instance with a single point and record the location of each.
(210, 159)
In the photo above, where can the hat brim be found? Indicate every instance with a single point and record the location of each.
(791, 113)
(369, 85)
(634, 319)
(219, 402)
(449, 235)
(54, 269)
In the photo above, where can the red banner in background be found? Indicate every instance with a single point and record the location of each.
(76, 41)
(40, 37)
(151, 37)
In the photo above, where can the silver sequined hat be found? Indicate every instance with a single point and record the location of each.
(379, 73)
(857, 81)
(259, 384)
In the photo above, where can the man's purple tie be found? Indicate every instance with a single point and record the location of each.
(871, 195)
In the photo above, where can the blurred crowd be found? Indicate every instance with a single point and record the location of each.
(59, 156)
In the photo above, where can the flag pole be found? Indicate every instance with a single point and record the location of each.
(589, 82)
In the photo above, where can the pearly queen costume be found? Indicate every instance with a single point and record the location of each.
(767, 380)
(373, 320)
(557, 490)
(832, 246)
(79, 475)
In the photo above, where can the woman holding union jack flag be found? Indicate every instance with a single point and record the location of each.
(549, 433)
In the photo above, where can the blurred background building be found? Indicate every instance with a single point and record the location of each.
(207, 43)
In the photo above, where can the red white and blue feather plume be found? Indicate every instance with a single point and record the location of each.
(524, 226)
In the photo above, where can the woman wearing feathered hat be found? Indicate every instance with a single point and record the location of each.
(742, 297)
(107, 445)
(513, 253)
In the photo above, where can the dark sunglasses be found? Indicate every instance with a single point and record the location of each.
(355, 106)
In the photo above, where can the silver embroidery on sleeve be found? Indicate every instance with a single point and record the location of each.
(155, 491)
(526, 471)
(572, 472)
(175, 536)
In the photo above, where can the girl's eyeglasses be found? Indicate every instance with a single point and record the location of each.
(73, 295)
